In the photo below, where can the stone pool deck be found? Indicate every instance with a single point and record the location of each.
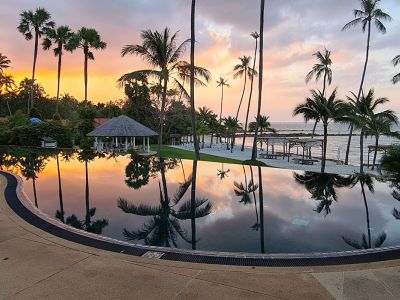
(38, 265)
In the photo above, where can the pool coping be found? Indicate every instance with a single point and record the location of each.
(20, 204)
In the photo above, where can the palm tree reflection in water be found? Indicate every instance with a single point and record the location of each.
(222, 174)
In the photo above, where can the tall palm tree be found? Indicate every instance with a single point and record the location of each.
(325, 109)
(362, 111)
(222, 82)
(322, 68)
(192, 81)
(255, 36)
(243, 68)
(34, 24)
(60, 37)
(87, 39)
(4, 63)
(396, 61)
(161, 51)
(370, 11)
(7, 86)
(260, 79)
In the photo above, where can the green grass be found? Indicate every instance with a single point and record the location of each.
(167, 151)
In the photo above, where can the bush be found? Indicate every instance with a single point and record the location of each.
(34, 113)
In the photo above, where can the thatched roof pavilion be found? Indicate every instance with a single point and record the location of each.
(123, 132)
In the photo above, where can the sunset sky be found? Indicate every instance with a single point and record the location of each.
(294, 30)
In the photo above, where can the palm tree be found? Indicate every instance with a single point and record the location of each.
(7, 86)
(255, 36)
(243, 68)
(396, 61)
(323, 67)
(369, 12)
(261, 203)
(365, 180)
(231, 126)
(222, 82)
(322, 188)
(222, 173)
(60, 37)
(362, 111)
(4, 63)
(202, 76)
(87, 39)
(325, 109)
(88, 225)
(260, 79)
(263, 126)
(161, 51)
(34, 24)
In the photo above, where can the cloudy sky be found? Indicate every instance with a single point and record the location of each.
(294, 30)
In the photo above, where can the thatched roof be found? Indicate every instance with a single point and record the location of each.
(122, 126)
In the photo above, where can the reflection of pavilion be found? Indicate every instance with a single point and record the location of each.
(121, 133)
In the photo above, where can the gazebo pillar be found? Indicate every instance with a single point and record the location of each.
(148, 144)
(126, 144)
(134, 142)
(144, 144)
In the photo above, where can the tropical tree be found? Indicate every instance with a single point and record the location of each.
(4, 63)
(368, 13)
(396, 61)
(240, 70)
(59, 36)
(161, 51)
(263, 126)
(231, 126)
(361, 113)
(138, 171)
(34, 24)
(87, 39)
(7, 86)
(222, 82)
(325, 109)
(255, 36)
(202, 76)
(260, 79)
(222, 173)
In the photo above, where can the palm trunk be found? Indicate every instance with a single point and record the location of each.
(251, 94)
(34, 190)
(162, 113)
(85, 70)
(362, 151)
(261, 201)
(367, 213)
(244, 90)
(260, 80)
(376, 151)
(359, 91)
(254, 194)
(323, 162)
(222, 101)
(87, 217)
(193, 204)
(33, 70)
(8, 107)
(192, 103)
(324, 87)
(60, 195)
(59, 76)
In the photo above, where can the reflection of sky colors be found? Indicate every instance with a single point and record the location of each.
(228, 227)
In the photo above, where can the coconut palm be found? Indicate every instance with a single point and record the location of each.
(202, 76)
(34, 24)
(161, 51)
(325, 109)
(7, 86)
(231, 126)
(361, 112)
(263, 126)
(222, 82)
(164, 227)
(88, 225)
(4, 63)
(365, 181)
(222, 173)
(369, 12)
(396, 61)
(260, 79)
(322, 188)
(87, 39)
(59, 36)
(255, 36)
(243, 68)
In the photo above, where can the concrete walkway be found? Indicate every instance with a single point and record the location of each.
(37, 265)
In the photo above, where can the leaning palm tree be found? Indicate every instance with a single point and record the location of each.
(4, 63)
(360, 113)
(243, 68)
(34, 24)
(87, 39)
(325, 109)
(161, 51)
(396, 61)
(255, 36)
(222, 82)
(260, 79)
(60, 37)
(370, 11)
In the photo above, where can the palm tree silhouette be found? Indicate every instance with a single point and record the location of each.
(396, 61)
(222, 82)
(34, 24)
(138, 172)
(261, 203)
(255, 36)
(60, 37)
(369, 12)
(263, 126)
(365, 243)
(164, 227)
(87, 39)
(7, 86)
(322, 188)
(222, 174)
(88, 225)
(231, 126)
(4, 63)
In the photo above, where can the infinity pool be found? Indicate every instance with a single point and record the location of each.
(238, 208)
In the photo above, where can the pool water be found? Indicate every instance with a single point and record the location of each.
(237, 208)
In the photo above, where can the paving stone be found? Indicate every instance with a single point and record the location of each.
(333, 282)
(390, 277)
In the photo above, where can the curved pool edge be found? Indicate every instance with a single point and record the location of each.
(18, 202)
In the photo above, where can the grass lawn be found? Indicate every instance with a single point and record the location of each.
(167, 151)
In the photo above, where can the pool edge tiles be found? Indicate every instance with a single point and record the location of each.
(19, 203)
